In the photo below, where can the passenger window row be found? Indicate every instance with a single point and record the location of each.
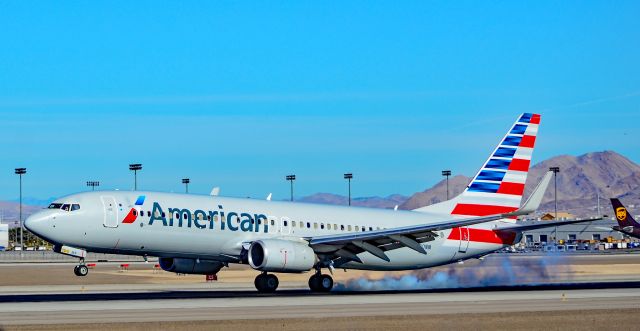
(328, 226)
(294, 224)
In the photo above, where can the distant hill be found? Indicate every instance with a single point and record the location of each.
(372, 202)
(579, 181)
(10, 211)
(437, 193)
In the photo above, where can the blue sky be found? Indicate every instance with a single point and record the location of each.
(240, 94)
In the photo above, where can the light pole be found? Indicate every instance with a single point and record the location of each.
(447, 173)
(598, 196)
(598, 202)
(93, 185)
(20, 172)
(291, 178)
(186, 181)
(135, 167)
(555, 170)
(348, 177)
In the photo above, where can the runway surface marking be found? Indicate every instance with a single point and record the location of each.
(317, 299)
(314, 306)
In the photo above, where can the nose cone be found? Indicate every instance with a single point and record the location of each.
(37, 223)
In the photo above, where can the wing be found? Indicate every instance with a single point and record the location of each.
(346, 246)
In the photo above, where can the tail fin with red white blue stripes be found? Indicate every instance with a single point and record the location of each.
(499, 185)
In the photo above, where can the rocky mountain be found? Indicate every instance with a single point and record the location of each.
(583, 178)
(372, 202)
(10, 211)
(580, 180)
(437, 193)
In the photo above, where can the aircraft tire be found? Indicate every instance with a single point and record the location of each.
(266, 283)
(259, 281)
(75, 270)
(314, 283)
(82, 270)
(271, 283)
(325, 283)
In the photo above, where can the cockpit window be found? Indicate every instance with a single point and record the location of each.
(65, 207)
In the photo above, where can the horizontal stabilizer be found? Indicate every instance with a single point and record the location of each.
(533, 202)
(550, 224)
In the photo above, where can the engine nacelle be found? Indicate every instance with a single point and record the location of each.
(277, 255)
(189, 266)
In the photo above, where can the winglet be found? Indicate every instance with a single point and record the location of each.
(215, 191)
(534, 200)
(269, 197)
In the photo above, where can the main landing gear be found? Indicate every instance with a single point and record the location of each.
(266, 283)
(81, 269)
(320, 283)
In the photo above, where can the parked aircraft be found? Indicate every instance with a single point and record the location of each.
(626, 223)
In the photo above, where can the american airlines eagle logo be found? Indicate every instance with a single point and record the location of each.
(133, 213)
(621, 213)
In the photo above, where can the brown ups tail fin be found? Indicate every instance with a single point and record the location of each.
(622, 215)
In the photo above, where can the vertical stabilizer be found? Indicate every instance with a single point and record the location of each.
(622, 214)
(499, 184)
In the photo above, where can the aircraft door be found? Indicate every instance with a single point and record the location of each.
(273, 224)
(110, 212)
(285, 225)
(464, 239)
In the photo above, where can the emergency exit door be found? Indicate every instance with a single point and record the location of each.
(464, 239)
(110, 212)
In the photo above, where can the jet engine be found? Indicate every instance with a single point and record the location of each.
(277, 255)
(190, 266)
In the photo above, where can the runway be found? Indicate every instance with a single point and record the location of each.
(591, 294)
(47, 309)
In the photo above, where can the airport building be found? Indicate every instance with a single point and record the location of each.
(593, 232)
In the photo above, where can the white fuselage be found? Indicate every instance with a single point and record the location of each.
(217, 228)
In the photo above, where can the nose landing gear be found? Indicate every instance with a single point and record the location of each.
(81, 269)
(320, 283)
(266, 283)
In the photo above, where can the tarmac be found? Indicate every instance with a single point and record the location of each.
(587, 293)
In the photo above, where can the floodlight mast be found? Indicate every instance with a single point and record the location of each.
(20, 172)
(555, 170)
(93, 184)
(447, 173)
(348, 177)
(186, 181)
(135, 167)
(291, 178)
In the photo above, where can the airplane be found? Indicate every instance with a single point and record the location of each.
(626, 223)
(201, 234)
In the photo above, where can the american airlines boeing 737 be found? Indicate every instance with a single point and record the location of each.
(199, 234)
